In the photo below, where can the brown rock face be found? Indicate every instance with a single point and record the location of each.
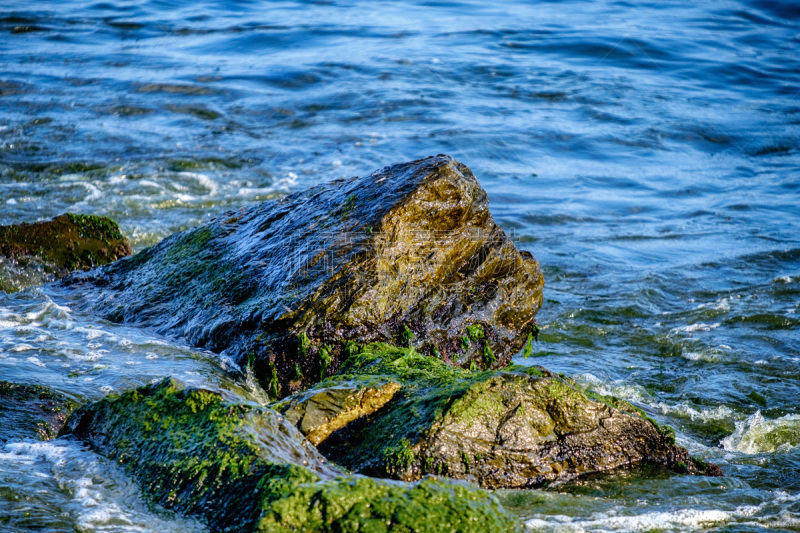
(409, 254)
(324, 411)
(514, 428)
(69, 242)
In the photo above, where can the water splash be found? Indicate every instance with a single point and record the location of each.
(759, 435)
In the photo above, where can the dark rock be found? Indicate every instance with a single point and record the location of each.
(68, 242)
(515, 428)
(409, 254)
(240, 467)
(31, 411)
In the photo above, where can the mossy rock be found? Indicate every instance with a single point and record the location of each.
(241, 467)
(519, 427)
(354, 504)
(68, 242)
(31, 411)
(409, 254)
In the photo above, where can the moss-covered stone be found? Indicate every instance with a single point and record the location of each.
(241, 467)
(31, 411)
(192, 451)
(409, 254)
(362, 504)
(516, 428)
(69, 242)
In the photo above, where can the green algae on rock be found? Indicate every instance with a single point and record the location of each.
(365, 504)
(31, 411)
(409, 254)
(68, 242)
(192, 451)
(241, 467)
(519, 427)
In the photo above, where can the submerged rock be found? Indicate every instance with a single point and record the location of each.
(241, 467)
(68, 242)
(31, 411)
(514, 428)
(409, 254)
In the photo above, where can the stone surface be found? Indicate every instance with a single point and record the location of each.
(409, 254)
(241, 467)
(327, 409)
(514, 428)
(68, 242)
(31, 411)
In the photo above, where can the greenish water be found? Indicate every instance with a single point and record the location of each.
(646, 154)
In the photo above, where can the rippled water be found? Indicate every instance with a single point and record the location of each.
(648, 154)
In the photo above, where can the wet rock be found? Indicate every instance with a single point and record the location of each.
(241, 467)
(324, 410)
(409, 254)
(68, 242)
(31, 411)
(514, 428)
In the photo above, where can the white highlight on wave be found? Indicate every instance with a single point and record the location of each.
(700, 326)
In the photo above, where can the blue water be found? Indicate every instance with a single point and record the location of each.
(648, 154)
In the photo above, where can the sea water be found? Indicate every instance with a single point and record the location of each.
(648, 154)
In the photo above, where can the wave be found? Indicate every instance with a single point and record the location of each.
(759, 435)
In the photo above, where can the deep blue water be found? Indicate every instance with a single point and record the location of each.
(648, 154)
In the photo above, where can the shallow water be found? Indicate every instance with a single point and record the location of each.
(646, 153)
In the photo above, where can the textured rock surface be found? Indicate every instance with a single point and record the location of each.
(514, 428)
(327, 409)
(409, 254)
(31, 411)
(240, 467)
(68, 242)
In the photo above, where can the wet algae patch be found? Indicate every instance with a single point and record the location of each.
(409, 255)
(68, 242)
(31, 411)
(241, 467)
(519, 427)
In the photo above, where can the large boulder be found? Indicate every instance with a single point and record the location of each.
(518, 427)
(409, 254)
(68, 242)
(241, 467)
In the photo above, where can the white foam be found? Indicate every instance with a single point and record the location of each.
(202, 180)
(684, 410)
(22, 347)
(722, 304)
(686, 518)
(83, 488)
(759, 435)
(700, 326)
(620, 389)
(36, 361)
